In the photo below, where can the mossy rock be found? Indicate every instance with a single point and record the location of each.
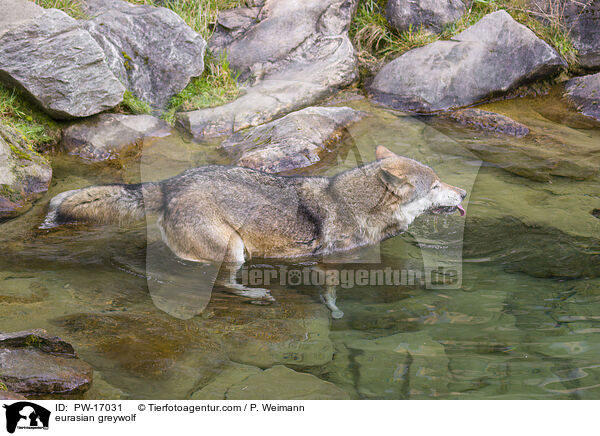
(24, 174)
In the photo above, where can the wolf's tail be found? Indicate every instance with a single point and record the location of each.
(116, 203)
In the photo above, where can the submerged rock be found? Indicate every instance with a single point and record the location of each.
(493, 56)
(282, 383)
(293, 54)
(31, 362)
(401, 366)
(150, 49)
(141, 345)
(106, 135)
(101, 390)
(218, 388)
(584, 92)
(541, 155)
(297, 140)
(488, 121)
(22, 290)
(293, 332)
(24, 174)
(429, 14)
(294, 342)
(57, 63)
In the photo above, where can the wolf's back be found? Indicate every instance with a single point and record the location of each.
(115, 203)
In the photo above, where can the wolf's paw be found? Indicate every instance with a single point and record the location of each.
(258, 293)
(337, 314)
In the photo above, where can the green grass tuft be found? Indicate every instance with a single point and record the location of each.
(3, 387)
(37, 128)
(133, 105)
(216, 86)
(218, 83)
(70, 7)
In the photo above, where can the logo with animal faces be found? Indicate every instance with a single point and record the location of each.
(27, 416)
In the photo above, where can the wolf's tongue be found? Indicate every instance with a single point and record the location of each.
(461, 210)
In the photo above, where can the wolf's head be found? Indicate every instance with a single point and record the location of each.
(418, 187)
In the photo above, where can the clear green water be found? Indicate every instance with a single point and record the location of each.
(524, 322)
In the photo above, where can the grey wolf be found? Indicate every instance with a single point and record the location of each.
(231, 214)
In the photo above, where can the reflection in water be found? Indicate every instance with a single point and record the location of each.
(523, 323)
(181, 289)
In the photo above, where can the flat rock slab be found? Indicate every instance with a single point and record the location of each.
(488, 121)
(429, 14)
(104, 136)
(291, 54)
(217, 389)
(37, 338)
(24, 174)
(493, 56)
(584, 93)
(297, 140)
(55, 62)
(33, 362)
(30, 371)
(150, 49)
(282, 383)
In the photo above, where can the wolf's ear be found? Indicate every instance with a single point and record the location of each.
(381, 152)
(399, 184)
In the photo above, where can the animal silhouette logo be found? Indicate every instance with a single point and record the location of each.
(24, 414)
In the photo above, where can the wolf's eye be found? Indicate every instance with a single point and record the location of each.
(436, 186)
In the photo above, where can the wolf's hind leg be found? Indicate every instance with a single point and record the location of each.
(202, 242)
(243, 290)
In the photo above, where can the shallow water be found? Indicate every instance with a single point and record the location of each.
(514, 313)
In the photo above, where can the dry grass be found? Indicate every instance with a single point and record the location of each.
(376, 42)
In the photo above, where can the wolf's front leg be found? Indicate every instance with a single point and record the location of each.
(330, 297)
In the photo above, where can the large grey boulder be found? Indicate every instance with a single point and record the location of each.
(24, 174)
(297, 140)
(291, 53)
(32, 362)
(105, 136)
(57, 63)
(584, 92)
(429, 14)
(493, 56)
(150, 49)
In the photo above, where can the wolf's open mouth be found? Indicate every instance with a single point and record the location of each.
(448, 210)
